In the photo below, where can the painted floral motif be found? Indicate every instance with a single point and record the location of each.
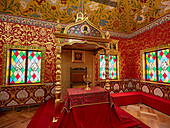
(145, 89)
(92, 6)
(103, 22)
(39, 93)
(23, 3)
(158, 92)
(22, 94)
(144, 8)
(129, 15)
(53, 2)
(166, 6)
(116, 87)
(4, 95)
(116, 23)
(139, 18)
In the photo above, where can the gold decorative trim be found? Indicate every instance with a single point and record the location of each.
(152, 82)
(149, 50)
(79, 18)
(84, 105)
(7, 47)
(83, 42)
(87, 38)
(82, 21)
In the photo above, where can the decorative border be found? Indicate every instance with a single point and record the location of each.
(49, 24)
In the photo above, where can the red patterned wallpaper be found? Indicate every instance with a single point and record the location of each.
(19, 34)
(130, 49)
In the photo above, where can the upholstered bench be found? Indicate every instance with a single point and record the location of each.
(156, 102)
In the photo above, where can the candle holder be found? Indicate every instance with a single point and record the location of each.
(87, 81)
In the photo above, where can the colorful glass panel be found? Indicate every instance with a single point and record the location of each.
(34, 67)
(151, 66)
(112, 67)
(17, 70)
(163, 66)
(102, 67)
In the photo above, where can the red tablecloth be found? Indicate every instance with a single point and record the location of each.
(79, 97)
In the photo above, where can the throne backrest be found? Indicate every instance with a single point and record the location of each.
(76, 75)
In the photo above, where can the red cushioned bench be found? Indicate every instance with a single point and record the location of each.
(156, 102)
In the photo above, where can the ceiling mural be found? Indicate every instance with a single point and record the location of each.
(127, 16)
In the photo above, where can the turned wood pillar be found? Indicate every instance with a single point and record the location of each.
(107, 85)
(58, 74)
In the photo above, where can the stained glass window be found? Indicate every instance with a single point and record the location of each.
(17, 69)
(151, 66)
(102, 67)
(112, 67)
(163, 66)
(157, 66)
(23, 66)
(34, 67)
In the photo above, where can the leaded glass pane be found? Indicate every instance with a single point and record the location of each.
(163, 66)
(112, 67)
(151, 66)
(102, 67)
(34, 67)
(17, 70)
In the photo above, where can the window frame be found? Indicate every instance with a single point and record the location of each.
(26, 66)
(143, 62)
(116, 67)
(117, 54)
(7, 47)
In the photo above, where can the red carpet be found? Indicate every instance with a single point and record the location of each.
(90, 116)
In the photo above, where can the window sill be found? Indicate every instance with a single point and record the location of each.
(152, 82)
(19, 85)
(110, 80)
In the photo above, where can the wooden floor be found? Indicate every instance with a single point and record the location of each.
(148, 115)
(151, 117)
(16, 118)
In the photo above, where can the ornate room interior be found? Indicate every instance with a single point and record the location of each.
(65, 61)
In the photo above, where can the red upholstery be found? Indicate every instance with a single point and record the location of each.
(157, 102)
(126, 98)
(153, 101)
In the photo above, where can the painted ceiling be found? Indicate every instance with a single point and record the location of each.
(126, 17)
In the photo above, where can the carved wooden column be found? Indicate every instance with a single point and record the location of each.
(58, 74)
(107, 85)
(107, 52)
(58, 65)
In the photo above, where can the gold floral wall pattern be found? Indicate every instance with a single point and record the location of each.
(126, 17)
(27, 35)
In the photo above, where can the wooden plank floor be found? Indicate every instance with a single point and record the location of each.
(16, 118)
(148, 115)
